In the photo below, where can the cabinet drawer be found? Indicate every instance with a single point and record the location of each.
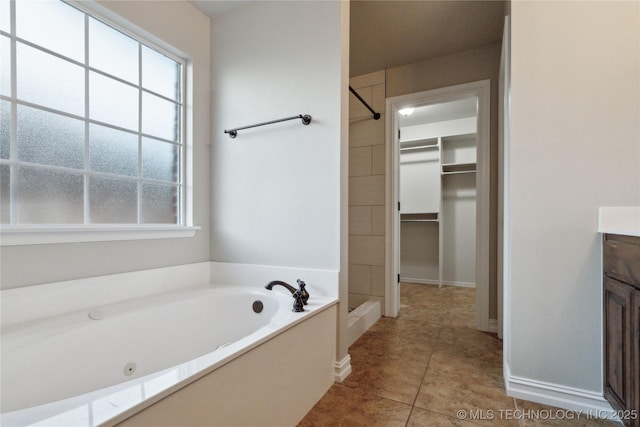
(622, 258)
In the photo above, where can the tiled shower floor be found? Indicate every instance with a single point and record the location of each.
(425, 366)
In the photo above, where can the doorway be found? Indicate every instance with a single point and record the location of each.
(449, 154)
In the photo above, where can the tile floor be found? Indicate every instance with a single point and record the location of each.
(423, 367)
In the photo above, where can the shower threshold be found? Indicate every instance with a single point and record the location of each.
(362, 318)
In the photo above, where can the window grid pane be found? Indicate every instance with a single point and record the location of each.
(120, 129)
(53, 25)
(113, 52)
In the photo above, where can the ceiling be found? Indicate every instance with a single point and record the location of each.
(451, 110)
(215, 8)
(389, 33)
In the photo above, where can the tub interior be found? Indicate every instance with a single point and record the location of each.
(76, 354)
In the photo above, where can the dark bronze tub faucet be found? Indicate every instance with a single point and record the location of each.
(300, 295)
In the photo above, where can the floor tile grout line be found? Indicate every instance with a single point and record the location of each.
(413, 404)
(515, 406)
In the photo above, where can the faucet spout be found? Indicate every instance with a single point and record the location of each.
(281, 283)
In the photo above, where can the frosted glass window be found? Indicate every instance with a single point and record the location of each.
(159, 204)
(113, 201)
(49, 81)
(113, 52)
(5, 65)
(160, 73)
(49, 197)
(5, 196)
(113, 102)
(160, 160)
(113, 151)
(52, 24)
(160, 117)
(50, 139)
(5, 16)
(91, 128)
(5, 129)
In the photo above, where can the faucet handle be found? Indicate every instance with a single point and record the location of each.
(298, 304)
(303, 292)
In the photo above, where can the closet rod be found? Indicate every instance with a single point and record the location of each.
(306, 119)
(376, 116)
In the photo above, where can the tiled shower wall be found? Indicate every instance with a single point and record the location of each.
(366, 190)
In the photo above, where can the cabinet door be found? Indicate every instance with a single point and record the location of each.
(618, 342)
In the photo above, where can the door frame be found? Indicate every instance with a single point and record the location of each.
(482, 90)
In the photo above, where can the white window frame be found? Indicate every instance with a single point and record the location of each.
(12, 235)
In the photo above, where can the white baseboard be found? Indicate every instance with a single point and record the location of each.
(570, 398)
(342, 368)
(435, 282)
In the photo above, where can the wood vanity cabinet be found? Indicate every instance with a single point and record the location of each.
(621, 269)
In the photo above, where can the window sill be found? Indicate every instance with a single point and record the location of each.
(39, 235)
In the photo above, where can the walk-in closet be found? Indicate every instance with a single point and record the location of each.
(438, 146)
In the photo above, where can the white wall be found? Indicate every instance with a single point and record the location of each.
(459, 204)
(575, 146)
(276, 189)
(419, 252)
(187, 30)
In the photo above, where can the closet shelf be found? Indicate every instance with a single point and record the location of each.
(454, 168)
(420, 217)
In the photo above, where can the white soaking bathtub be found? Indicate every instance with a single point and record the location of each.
(89, 366)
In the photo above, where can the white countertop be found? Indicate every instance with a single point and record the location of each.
(619, 220)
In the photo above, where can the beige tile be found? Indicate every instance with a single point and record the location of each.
(377, 280)
(366, 250)
(380, 345)
(360, 220)
(360, 161)
(389, 378)
(356, 109)
(369, 79)
(455, 383)
(378, 159)
(378, 99)
(356, 299)
(360, 279)
(366, 190)
(471, 343)
(423, 418)
(366, 132)
(378, 220)
(345, 406)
